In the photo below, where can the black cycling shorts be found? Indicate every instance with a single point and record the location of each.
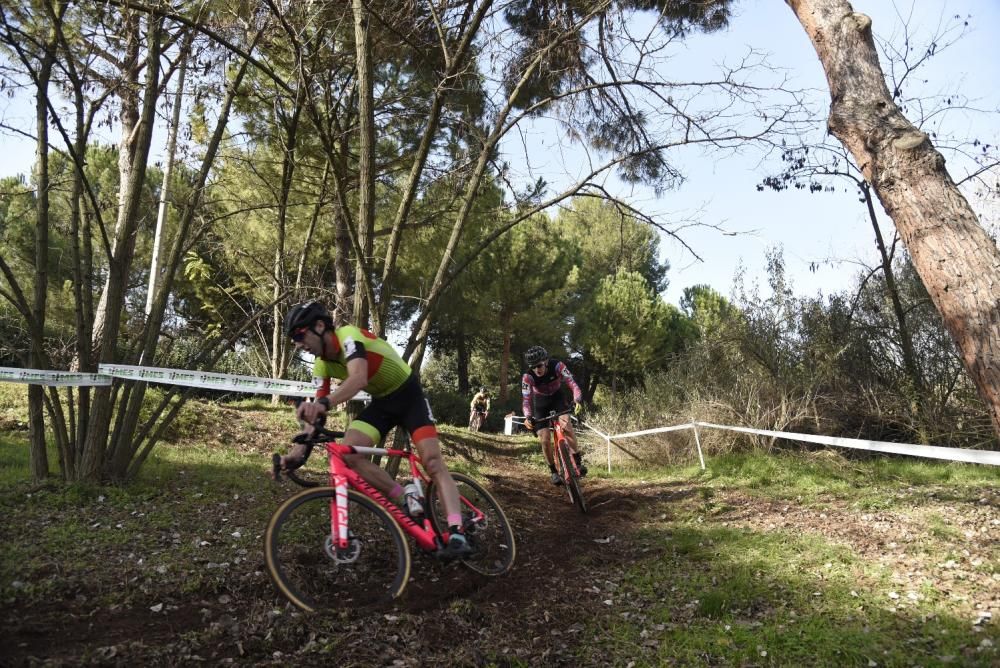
(542, 405)
(406, 407)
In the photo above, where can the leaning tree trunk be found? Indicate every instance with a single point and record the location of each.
(956, 260)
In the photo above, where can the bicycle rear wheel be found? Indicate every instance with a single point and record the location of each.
(490, 534)
(312, 574)
(571, 479)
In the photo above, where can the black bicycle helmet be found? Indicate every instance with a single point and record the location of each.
(535, 355)
(304, 315)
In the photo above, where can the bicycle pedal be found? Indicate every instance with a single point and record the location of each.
(456, 550)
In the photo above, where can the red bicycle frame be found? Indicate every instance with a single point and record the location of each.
(342, 477)
(558, 433)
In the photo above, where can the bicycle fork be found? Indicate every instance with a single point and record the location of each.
(338, 511)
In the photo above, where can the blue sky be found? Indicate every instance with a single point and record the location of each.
(826, 237)
(814, 228)
(830, 230)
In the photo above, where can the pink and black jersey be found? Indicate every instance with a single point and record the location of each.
(546, 385)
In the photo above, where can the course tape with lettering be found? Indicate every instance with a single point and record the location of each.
(201, 379)
(255, 385)
(209, 380)
(991, 457)
(58, 378)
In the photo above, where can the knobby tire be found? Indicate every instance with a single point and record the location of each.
(570, 479)
(492, 538)
(299, 560)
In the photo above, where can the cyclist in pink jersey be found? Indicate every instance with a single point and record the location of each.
(363, 361)
(541, 393)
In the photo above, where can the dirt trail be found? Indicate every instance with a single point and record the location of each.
(446, 613)
(568, 568)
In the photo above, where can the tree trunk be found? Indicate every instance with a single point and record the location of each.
(905, 339)
(123, 464)
(462, 353)
(956, 260)
(456, 61)
(342, 267)
(279, 342)
(109, 305)
(505, 319)
(168, 168)
(137, 133)
(39, 460)
(366, 162)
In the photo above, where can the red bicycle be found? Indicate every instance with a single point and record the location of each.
(344, 544)
(566, 467)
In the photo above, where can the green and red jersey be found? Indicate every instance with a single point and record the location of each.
(387, 371)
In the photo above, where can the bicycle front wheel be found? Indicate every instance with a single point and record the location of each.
(311, 573)
(485, 525)
(571, 479)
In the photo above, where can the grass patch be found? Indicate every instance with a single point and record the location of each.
(711, 595)
(875, 484)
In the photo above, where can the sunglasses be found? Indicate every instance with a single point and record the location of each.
(299, 334)
(540, 365)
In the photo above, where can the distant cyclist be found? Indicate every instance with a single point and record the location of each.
(480, 405)
(363, 361)
(541, 393)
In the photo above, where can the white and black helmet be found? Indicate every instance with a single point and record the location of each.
(536, 355)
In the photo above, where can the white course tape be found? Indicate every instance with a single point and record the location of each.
(201, 379)
(930, 451)
(658, 430)
(60, 378)
(594, 429)
(209, 381)
(215, 381)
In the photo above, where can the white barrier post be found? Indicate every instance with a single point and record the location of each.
(607, 439)
(697, 444)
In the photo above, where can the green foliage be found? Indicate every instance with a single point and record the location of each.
(708, 311)
(626, 326)
(449, 406)
(830, 365)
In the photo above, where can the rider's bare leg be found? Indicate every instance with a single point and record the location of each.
(430, 456)
(569, 433)
(545, 436)
(366, 468)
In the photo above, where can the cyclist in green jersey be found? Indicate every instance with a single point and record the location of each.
(363, 361)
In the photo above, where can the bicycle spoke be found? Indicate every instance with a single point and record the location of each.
(486, 526)
(312, 574)
(572, 481)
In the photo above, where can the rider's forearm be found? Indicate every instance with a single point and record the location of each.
(347, 390)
